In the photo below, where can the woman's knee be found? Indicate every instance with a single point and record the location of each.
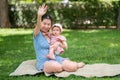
(52, 66)
(69, 66)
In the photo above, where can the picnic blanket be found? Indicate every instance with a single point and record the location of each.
(89, 70)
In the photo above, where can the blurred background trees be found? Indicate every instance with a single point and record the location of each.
(4, 14)
(73, 14)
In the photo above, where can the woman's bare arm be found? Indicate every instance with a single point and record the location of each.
(41, 11)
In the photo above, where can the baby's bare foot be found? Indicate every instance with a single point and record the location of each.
(81, 64)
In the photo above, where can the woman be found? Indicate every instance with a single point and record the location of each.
(41, 45)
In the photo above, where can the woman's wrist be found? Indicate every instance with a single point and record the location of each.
(39, 15)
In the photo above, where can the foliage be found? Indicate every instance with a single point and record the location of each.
(89, 46)
(72, 15)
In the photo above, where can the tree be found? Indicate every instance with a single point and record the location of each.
(4, 16)
(118, 22)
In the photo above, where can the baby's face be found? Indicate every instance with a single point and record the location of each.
(56, 31)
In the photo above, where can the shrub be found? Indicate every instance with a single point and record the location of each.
(73, 15)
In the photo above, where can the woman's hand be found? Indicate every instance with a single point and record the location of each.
(42, 10)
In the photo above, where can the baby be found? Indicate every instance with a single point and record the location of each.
(57, 41)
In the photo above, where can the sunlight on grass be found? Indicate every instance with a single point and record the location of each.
(5, 62)
(6, 32)
(66, 34)
(89, 46)
(1, 39)
(90, 31)
(113, 45)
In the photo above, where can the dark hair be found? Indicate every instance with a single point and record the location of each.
(46, 16)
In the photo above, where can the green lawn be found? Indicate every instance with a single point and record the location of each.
(89, 46)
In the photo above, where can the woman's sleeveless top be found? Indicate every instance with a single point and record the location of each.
(41, 47)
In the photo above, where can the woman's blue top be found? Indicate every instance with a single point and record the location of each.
(42, 46)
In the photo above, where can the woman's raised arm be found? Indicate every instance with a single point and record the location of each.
(41, 11)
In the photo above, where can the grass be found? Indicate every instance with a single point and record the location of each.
(89, 46)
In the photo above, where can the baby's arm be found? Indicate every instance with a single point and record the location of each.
(63, 44)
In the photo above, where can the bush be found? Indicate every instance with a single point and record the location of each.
(73, 15)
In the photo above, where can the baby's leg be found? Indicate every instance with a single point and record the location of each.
(51, 53)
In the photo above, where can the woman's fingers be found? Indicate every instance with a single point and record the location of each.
(44, 7)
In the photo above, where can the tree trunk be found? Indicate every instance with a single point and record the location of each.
(4, 17)
(118, 22)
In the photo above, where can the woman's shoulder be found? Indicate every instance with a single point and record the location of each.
(38, 35)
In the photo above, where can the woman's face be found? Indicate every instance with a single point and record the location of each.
(45, 25)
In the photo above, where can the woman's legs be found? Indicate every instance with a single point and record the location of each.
(71, 66)
(67, 65)
(52, 66)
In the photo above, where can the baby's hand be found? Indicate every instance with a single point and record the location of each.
(57, 44)
(59, 40)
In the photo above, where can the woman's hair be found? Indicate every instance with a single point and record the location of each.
(46, 16)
